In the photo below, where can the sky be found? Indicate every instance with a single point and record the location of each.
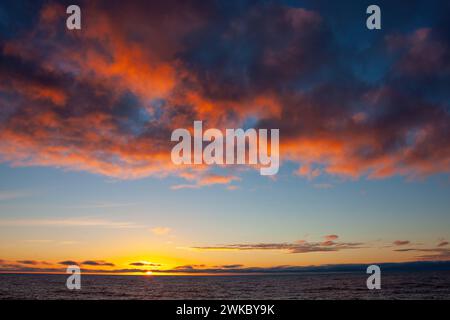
(86, 117)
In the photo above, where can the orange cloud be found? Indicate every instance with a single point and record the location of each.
(106, 100)
(206, 179)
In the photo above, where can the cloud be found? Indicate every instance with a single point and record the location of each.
(68, 262)
(44, 241)
(422, 53)
(32, 262)
(67, 222)
(143, 264)
(230, 266)
(216, 179)
(208, 179)
(190, 267)
(97, 263)
(6, 266)
(95, 90)
(286, 269)
(430, 254)
(298, 247)
(11, 195)
(401, 242)
(160, 231)
(442, 243)
(308, 172)
(184, 186)
(438, 254)
(110, 107)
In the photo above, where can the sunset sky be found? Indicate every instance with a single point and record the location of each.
(86, 117)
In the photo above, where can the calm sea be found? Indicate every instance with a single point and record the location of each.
(395, 285)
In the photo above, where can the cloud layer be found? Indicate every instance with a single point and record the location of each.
(240, 269)
(106, 99)
(300, 246)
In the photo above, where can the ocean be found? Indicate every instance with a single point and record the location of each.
(338, 285)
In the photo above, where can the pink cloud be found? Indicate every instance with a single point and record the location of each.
(401, 242)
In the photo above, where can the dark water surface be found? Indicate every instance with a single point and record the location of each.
(394, 285)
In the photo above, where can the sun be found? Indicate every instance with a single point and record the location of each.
(148, 273)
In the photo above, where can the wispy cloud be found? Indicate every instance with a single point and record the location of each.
(161, 230)
(436, 253)
(429, 254)
(297, 247)
(184, 186)
(11, 195)
(97, 263)
(401, 242)
(48, 241)
(331, 237)
(144, 264)
(33, 262)
(67, 222)
(443, 243)
(206, 179)
(87, 263)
